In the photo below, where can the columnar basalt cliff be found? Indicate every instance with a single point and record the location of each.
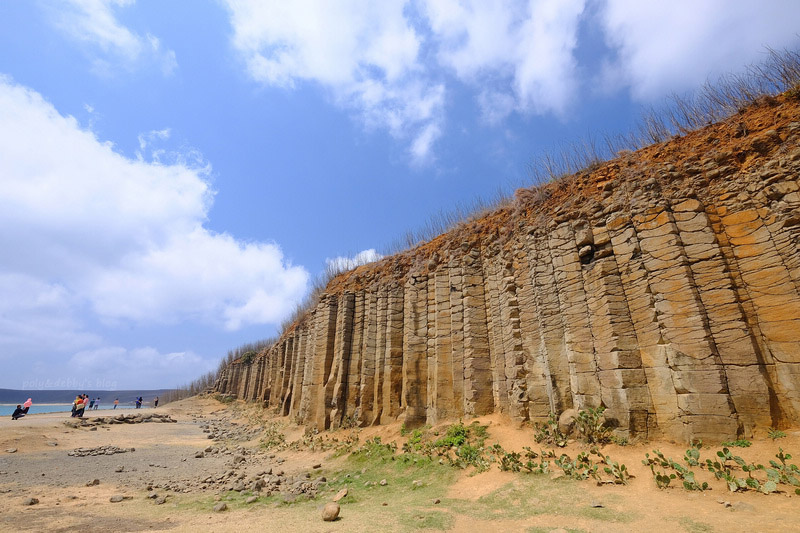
(664, 285)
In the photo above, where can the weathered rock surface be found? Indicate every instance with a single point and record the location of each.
(664, 285)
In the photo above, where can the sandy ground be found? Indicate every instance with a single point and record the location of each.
(164, 464)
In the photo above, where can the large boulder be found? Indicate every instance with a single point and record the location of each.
(330, 512)
(566, 422)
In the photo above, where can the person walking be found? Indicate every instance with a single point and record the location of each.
(76, 404)
(155, 402)
(80, 406)
(116, 402)
(19, 412)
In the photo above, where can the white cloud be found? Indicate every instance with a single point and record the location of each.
(662, 49)
(87, 228)
(343, 263)
(94, 24)
(38, 316)
(519, 53)
(113, 367)
(365, 53)
(393, 61)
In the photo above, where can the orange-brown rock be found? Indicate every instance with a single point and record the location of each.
(664, 285)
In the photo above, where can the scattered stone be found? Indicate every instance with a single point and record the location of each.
(341, 494)
(92, 483)
(160, 501)
(437, 501)
(119, 468)
(199, 455)
(596, 504)
(11, 450)
(383, 483)
(30, 501)
(251, 499)
(318, 465)
(416, 484)
(330, 512)
(152, 495)
(116, 498)
(100, 450)
(220, 507)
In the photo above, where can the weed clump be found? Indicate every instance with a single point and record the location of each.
(549, 432)
(725, 467)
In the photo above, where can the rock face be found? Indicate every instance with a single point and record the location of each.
(664, 285)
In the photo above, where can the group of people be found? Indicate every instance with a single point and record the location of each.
(21, 410)
(140, 402)
(79, 406)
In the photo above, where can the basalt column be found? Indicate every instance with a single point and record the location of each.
(415, 350)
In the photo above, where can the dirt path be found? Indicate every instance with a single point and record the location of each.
(177, 474)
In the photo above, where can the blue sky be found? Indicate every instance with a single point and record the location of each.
(174, 174)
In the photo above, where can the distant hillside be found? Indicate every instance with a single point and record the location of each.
(66, 396)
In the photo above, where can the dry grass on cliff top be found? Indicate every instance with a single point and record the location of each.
(738, 141)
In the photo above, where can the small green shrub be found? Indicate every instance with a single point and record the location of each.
(456, 436)
(692, 456)
(549, 432)
(619, 441)
(520, 462)
(739, 443)
(580, 468)
(665, 477)
(591, 425)
(775, 434)
(788, 474)
(618, 471)
(374, 448)
(272, 437)
(461, 445)
(224, 398)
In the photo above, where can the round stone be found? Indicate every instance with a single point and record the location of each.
(330, 512)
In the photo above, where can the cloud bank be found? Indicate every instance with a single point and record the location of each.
(395, 63)
(88, 230)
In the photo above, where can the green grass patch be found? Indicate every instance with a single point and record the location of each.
(537, 495)
(692, 526)
(235, 501)
(424, 519)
